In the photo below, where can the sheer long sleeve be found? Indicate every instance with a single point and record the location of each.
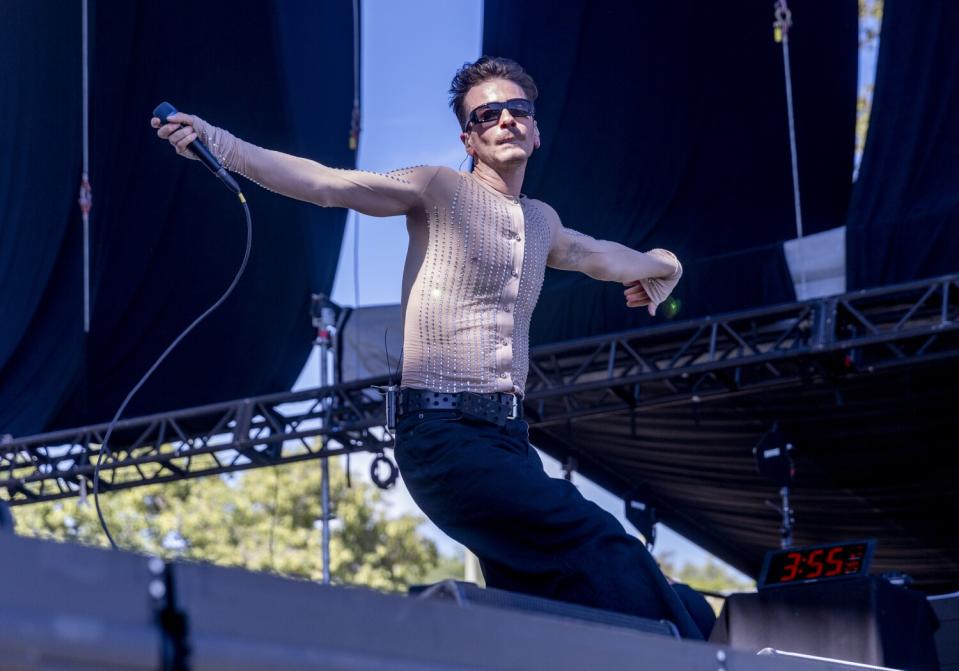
(376, 194)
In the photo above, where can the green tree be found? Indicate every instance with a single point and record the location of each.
(708, 576)
(264, 519)
(870, 26)
(711, 576)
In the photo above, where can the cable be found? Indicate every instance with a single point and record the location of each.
(276, 513)
(104, 449)
(356, 259)
(389, 392)
(386, 348)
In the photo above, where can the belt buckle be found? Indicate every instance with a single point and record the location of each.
(514, 411)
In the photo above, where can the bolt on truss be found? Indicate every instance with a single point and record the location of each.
(813, 342)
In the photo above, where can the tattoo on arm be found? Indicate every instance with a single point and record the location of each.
(574, 253)
(577, 250)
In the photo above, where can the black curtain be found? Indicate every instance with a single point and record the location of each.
(41, 272)
(664, 125)
(904, 216)
(167, 237)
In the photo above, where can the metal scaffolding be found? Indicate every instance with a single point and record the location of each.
(814, 342)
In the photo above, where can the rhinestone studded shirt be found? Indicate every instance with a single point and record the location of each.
(474, 267)
(472, 278)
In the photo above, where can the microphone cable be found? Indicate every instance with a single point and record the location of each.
(104, 449)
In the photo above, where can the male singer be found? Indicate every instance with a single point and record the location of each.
(477, 253)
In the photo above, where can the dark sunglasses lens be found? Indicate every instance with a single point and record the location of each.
(520, 107)
(517, 107)
(487, 114)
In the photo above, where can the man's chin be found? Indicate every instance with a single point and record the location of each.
(512, 154)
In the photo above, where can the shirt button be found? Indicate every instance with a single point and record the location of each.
(506, 309)
(504, 375)
(515, 273)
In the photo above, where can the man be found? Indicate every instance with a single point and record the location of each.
(474, 268)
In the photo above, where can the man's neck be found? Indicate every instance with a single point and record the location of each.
(508, 180)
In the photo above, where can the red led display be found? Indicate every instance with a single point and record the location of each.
(822, 562)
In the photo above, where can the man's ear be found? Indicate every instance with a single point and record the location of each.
(465, 139)
(536, 140)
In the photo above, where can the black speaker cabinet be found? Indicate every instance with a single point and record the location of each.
(865, 620)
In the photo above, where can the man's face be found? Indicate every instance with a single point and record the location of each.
(508, 140)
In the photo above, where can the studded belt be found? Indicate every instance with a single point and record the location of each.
(496, 407)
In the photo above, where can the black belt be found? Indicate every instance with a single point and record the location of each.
(496, 407)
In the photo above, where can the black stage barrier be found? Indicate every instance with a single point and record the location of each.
(866, 620)
(468, 594)
(68, 607)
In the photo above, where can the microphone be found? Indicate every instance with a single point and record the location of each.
(164, 110)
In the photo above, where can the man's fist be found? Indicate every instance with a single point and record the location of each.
(636, 296)
(651, 291)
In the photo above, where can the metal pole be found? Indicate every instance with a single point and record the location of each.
(323, 342)
(787, 528)
(324, 320)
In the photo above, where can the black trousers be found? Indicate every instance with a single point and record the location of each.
(484, 486)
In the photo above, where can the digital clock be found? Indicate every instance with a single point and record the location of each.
(815, 563)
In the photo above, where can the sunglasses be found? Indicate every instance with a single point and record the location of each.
(518, 107)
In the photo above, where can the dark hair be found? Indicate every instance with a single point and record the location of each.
(484, 69)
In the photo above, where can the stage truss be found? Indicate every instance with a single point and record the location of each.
(814, 342)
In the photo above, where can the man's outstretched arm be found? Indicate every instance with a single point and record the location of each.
(300, 178)
(649, 277)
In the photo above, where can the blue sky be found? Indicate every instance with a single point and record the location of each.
(410, 52)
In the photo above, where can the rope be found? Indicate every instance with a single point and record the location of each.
(85, 199)
(355, 118)
(354, 143)
(783, 22)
